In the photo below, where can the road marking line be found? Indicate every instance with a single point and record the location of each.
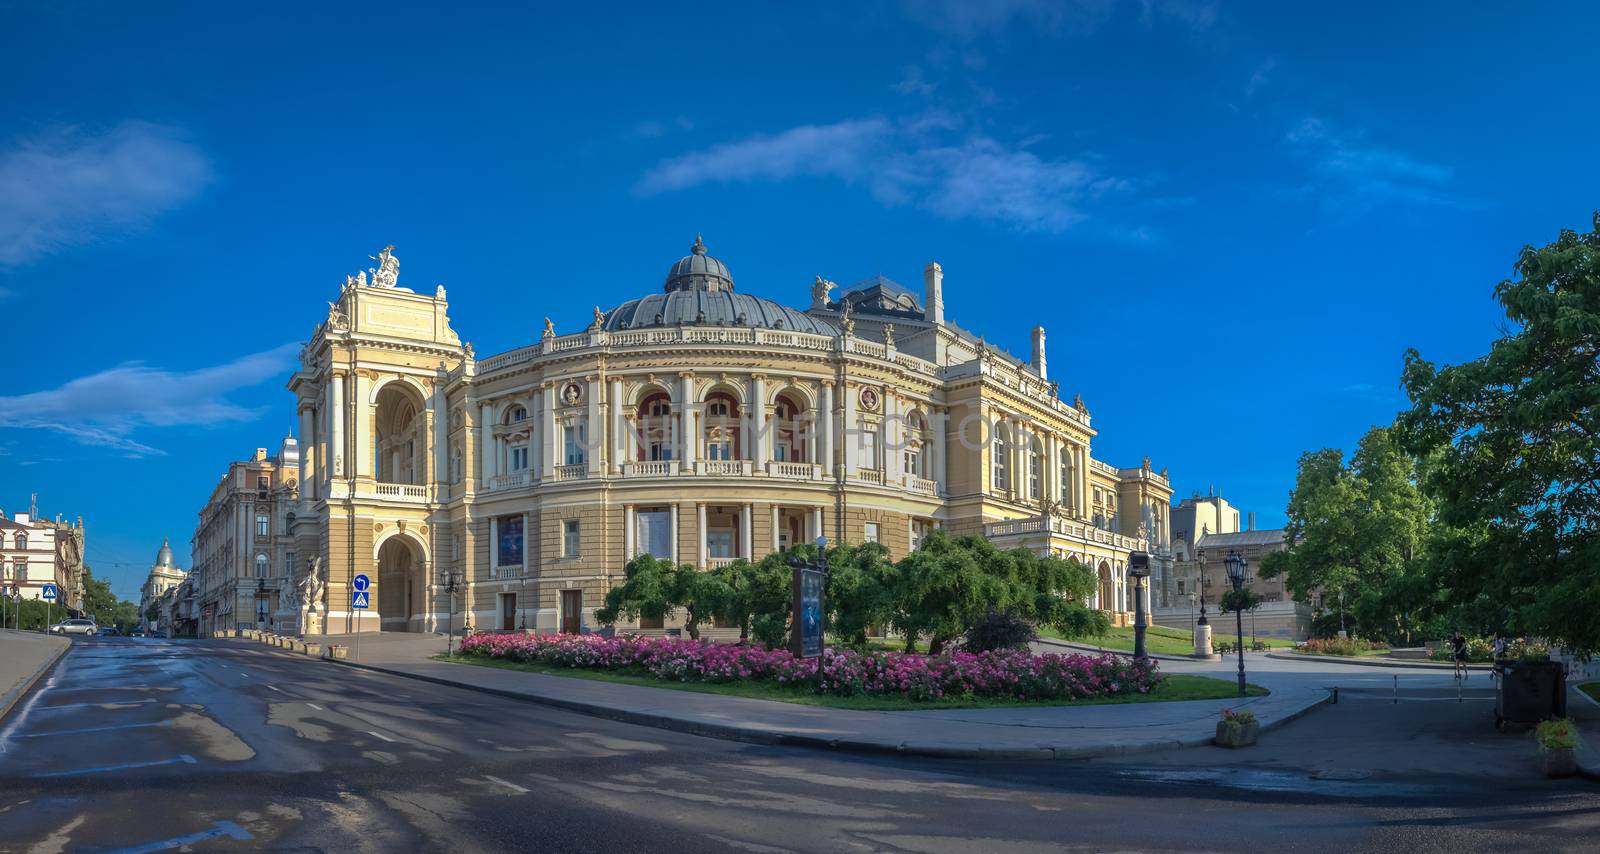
(94, 729)
(275, 688)
(380, 735)
(181, 759)
(507, 783)
(218, 830)
(315, 706)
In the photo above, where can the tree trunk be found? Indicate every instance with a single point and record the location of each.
(911, 642)
(936, 645)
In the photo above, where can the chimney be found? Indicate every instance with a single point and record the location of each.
(933, 292)
(1251, 524)
(1038, 352)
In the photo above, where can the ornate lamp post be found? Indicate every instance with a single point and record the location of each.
(261, 602)
(451, 581)
(1139, 570)
(1236, 565)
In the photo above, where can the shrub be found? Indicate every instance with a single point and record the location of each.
(1337, 646)
(1558, 734)
(999, 630)
(1010, 674)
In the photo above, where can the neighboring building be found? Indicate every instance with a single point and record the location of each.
(1203, 578)
(242, 550)
(36, 552)
(163, 578)
(696, 423)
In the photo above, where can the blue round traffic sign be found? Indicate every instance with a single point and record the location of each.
(362, 582)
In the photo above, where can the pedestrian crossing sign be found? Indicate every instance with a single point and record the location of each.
(360, 600)
(49, 593)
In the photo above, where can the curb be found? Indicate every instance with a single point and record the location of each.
(1098, 651)
(1340, 659)
(728, 732)
(8, 701)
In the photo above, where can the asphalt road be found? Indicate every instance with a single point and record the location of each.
(148, 745)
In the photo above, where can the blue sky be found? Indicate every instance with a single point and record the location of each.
(1232, 218)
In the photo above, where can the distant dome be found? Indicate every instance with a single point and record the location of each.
(164, 557)
(699, 271)
(699, 292)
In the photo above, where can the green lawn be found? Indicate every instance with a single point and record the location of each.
(1160, 640)
(1591, 688)
(1174, 687)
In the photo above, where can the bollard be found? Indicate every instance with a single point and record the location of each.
(1397, 690)
(1335, 700)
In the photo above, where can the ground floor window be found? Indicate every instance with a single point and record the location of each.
(869, 532)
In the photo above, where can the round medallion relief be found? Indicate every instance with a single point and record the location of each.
(869, 399)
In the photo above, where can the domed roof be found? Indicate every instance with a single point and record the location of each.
(697, 271)
(699, 292)
(164, 557)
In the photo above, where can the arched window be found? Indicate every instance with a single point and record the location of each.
(515, 414)
(722, 427)
(999, 458)
(261, 566)
(653, 420)
(788, 431)
(1035, 469)
(22, 541)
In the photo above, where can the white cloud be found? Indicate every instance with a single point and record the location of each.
(652, 129)
(1348, 168)
(64, 187)
(1258, 78)
(921, 161)
(106, 407)
(968, 20)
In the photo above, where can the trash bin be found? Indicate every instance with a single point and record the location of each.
(1530, 692)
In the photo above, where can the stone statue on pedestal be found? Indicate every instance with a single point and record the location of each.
(312, 586)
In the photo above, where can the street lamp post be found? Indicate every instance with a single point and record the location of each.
(452, 582)
(522, 600)
(1236, 565)
(1139, 570)
(261, 602)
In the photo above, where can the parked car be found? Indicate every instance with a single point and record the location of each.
(159, 633)
(109, 632)
(74, 627)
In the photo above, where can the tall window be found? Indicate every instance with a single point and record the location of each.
(999, 454)
(288, 564)
(719, 448)
(19, 569)
(509, 552)
(869, 450)
(263, 525)
(914, 461)
(519, 458)
(1035, 465)
(575, 444)
(261, 566)
(1066, 479)
(719, 542)
(22, 542)
(569, 538)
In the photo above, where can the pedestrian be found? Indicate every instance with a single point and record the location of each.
(1459, 646)
(1499, 645)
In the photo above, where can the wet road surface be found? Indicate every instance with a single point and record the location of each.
(148, 745)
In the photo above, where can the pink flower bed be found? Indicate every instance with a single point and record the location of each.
(1016, 675)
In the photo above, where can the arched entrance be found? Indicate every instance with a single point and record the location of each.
(400, 583)
(1108, 589)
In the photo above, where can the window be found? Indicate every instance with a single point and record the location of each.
(660, 451)
(914, 462)
(261, 566)
(780, 453)
(1035, 473)
(455, 463)
(19, 569)
(719, 449)
(1180, 587)
(717, 409)
(653, 533)
(516, 414)
(262, 484)
(869, 449)
(659, 408)
(998, 453)
(719, 542)
(569, 538)
(575, 444)
(22, 542)
(1066, 480)
(920, 529)
(288, 564)
(509, 552)
(263, 525)
(519, 458)
(869, 532)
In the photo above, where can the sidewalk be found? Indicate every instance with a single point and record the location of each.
(1585, 710)
(24, 658)
(1035, 732)
(1409, 664)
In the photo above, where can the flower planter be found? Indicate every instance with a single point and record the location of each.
(312, 649)
(338, 652)
(1236, 735)
(1559, 762)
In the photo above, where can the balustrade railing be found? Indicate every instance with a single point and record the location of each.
(578, 471)
(508, 481)
(868, 476)
(799, 471)
(407, 491)
(649, 468)
(723, 467)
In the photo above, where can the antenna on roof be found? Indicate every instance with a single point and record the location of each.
(33, 506)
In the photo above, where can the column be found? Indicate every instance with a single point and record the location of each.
(824, 431)
(1019, 478)
(775, 522)
(628, 528)
(686, 434)
(547, 425)
(336, 427)
(494, 546)
(361, 455)
(674, 533)
(595, 429)
(1050, 479)
(619, 427)
(746, 547)
(441, 435)
(758, 421)
(814, 526)
(893, 440)
(486, 454)
(700, 534)
(937, 422)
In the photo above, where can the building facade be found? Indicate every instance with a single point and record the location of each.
(1201, 578)
(696, 423)
(242, 551)
(164, 577)
(35, 552)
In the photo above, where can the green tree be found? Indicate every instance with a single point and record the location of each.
(1357, 535)
(859, 592)
(1513, 439)
(646, 591)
